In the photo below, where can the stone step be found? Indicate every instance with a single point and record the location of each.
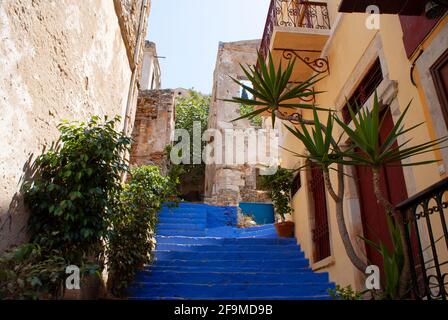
(225, 268)
(205, 291)
(187, 233)
(244, 298)
(230, 277)
(187, 220)
(257, 263)
(229, 248)
(220, 255)
(182, 226)
(223, 241)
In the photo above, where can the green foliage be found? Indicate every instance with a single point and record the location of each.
(319, 142)
(279, 187)
(365, 136)
(272, 90)
(133, 222)
(345, 293)
(393, 260)
(70, 193)
(256, 121)
(190, 109)
(27, 272)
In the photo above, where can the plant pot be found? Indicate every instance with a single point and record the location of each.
(285, 229)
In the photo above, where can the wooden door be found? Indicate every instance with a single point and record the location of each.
(439, 72)
(321, 235)
(373, 214)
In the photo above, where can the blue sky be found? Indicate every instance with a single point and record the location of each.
(187, 33)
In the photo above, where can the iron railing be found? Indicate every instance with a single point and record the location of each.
(425, 216)
(294, 14)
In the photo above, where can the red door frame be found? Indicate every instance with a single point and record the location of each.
(393, 186)
(320, 233)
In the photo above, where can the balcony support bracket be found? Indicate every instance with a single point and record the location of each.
(319, 65)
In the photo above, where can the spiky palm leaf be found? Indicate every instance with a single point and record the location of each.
(365, 137)
(318, 142)
(272, 90)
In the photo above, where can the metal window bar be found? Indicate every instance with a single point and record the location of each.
(424, 214)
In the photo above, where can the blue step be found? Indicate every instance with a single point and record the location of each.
(201, 254)
(231, 248)
(256, 263)
(230, 255)
(184, 226)
(223, 241)
(204, 291)
(226, 268)
(181, 232)
(168, 276)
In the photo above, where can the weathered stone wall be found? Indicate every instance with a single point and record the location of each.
(230, 184)
(64, 59)
(153, 128)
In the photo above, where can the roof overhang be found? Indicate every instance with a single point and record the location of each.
(403, 7)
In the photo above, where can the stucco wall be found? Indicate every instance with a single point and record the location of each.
(228, 184)
(351, 49)
(59, 60)
(153, 129)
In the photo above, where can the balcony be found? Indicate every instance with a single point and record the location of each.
(298, 29)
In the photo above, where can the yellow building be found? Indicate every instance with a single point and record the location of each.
(402, 54)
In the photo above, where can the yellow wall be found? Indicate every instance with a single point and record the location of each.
(348, 44)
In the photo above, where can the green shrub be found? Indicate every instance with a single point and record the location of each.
(27, 272)
(279, 187)
(345, 293)
(70, 193)
(133, 223)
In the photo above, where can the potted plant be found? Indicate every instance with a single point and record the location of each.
(279, 185)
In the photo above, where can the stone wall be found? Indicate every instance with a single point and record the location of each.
(63, 59)
(153, 128)
(230, 184)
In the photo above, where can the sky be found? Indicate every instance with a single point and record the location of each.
(188, 32)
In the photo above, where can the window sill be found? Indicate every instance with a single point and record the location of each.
(325, 263)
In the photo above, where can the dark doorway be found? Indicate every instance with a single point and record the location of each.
(393, 186)
(321, 235)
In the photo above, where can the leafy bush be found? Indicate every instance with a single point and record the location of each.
(133, 223)
(345, 293)
(279, 186)
(27, 272)
(190, 109)
(70, 193)
(256, 121)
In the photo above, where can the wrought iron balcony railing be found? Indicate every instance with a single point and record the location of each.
(426, 216)
(294, 14)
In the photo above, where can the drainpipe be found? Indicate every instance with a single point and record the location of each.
(137, 50)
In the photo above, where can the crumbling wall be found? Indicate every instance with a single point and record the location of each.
(153, 128)
(230, 184)
(63, 59)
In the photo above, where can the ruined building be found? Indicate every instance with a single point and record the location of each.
(60, 60)
(154, 119)
(231, 184)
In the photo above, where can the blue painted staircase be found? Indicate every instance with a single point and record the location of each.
(201, 254)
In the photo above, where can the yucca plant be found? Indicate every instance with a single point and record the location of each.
(368, 150)
(272, 89)
(393, 260)
(323, 150)
(271, 92)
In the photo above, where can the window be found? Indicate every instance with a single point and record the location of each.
(365, 89)
(439, 73)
